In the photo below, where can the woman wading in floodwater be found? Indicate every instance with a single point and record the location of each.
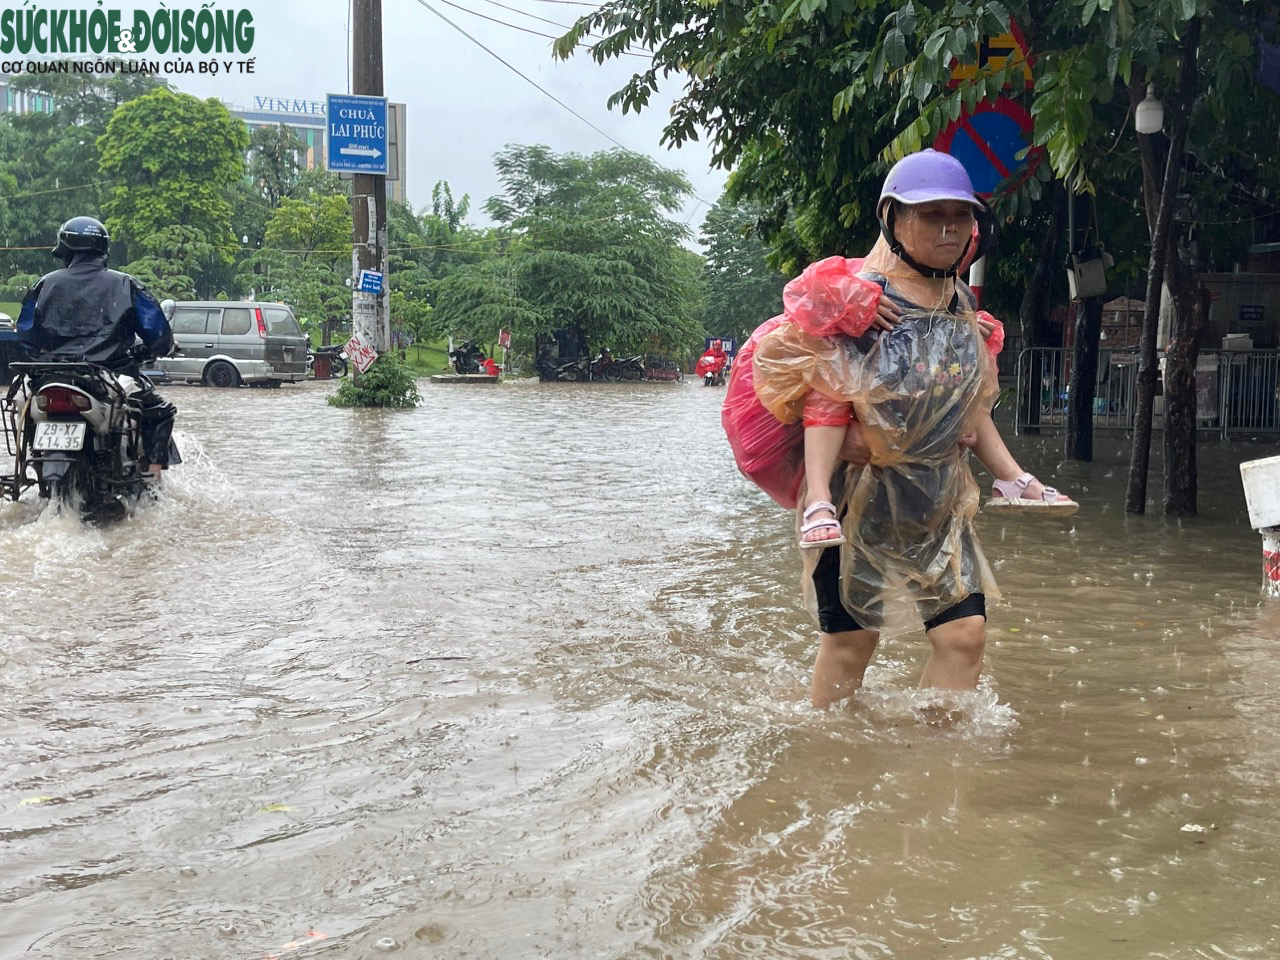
(898, 393)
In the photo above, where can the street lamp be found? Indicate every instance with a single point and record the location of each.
(1149, 116)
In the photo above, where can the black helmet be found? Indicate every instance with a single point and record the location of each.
(81, 235)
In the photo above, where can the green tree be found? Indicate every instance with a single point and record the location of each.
(426, 248)
(173, 158)
(177, 254)
(742, 290)
(305, 259)
(275, 162)
(49, 161)
(593, 251)
(388, 383)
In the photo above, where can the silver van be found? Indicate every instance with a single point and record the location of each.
(225, 343)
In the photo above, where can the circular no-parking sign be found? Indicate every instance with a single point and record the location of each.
(987, 142)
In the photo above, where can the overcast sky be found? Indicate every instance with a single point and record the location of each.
(463, 105)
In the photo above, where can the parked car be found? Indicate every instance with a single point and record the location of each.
(225, 343)
(6, 322)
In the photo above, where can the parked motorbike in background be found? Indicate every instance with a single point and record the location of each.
(337, 354)
(78, 428)
(553, 368)
(631, 368)
(604, 367)
(467, 358)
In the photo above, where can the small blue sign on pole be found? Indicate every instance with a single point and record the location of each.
(357, 135)
(370, 282)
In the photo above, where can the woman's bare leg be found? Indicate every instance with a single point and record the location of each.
(841, 663)
(956, 660)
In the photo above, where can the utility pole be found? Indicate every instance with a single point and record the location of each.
(370, 313)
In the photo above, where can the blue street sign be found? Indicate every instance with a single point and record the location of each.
(357, 134)
(370, 282)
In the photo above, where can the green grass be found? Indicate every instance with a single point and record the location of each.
(427, 359)
(11, 308)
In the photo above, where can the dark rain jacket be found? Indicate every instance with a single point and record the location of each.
(88, 313)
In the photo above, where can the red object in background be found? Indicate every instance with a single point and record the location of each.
(491, 368)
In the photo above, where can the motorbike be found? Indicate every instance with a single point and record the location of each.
(552, 368)
(78, 428)
(631, 368)
(712, 369)
(613, 370)
(337, 354)
(605, 367)
(467, 358)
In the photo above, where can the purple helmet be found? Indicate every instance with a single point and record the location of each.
(927, 175)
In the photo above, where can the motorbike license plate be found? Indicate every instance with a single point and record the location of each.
(52, 435)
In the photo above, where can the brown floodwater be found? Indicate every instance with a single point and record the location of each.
(523, 673)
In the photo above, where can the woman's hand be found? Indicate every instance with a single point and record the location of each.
(888, 314)
(987, 327)
(855, 449)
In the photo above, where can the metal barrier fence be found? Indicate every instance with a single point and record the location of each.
(1237, 391)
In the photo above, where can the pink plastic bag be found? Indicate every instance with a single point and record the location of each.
(769, 453)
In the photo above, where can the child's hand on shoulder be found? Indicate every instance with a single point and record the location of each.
(888, 314)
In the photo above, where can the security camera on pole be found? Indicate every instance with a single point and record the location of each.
(357, 144)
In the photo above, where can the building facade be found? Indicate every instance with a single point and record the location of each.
(22, 102)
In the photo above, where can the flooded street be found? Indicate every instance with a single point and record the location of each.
(524, 673)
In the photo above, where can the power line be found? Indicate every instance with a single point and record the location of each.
(37, 193)
(442, 246)
(537, 86)
(515, 26)
(523, 76)
(534, 16)
(485, 16)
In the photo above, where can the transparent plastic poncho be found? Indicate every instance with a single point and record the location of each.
(917, 389)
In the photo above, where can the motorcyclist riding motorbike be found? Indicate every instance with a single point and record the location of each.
(87, 313)
(711, 365)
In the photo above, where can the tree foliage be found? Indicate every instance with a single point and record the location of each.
(423, 250)
(591, 249)
(177, 254)
(388, 383)
(275, 162)
(172, 158)
(741, 289)
(49, 161)
(305, 258)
